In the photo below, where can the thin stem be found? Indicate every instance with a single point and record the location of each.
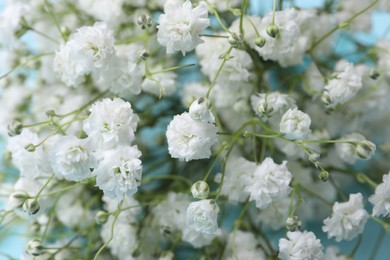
(342, 25)
(172, 69)
(86, 105)
(168, 177)
(116, 215)
(243, 6)
(50, 10)
(225, 58)
(362, 178)
(43, 35)
(44, 186)
(273, 13)
(214, 36)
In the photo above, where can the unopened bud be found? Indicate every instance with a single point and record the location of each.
(365, 149)
(293, 223)
(51, 113)
(272, 30)
(260, 41)
(30, 148)
(324, 175)
(144, 54)
(101, 217)
(200, 190)
(265, 109)
(31, 206)
(18, 198)
(34, 247)
(374, 74)
(15, 128)
(144, 21)
(314, 157)
(235, 40)
(326, 99)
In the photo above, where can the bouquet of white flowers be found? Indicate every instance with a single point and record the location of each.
(183, 129)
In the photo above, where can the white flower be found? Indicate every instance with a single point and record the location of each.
(189, 139)
(109, 11)
(200, 110)
(295, 124)
(89, 50)
(202, 216)
(269, 181)
(237, 170)
(245, 245)
(111, 122)
(71, 158)
(347, 220)
(344, 87)
(300, 245)
(181, 25)
(266, 105)
(119, 173)
(381, 198)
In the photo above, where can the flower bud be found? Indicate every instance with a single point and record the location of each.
(15, 128)
(265, 109)
(293, 223)
(365, 149)
(374, 74)
(260, 41)
(326, 99)
(101, 217)
(200, 190)
(18, 198)
(51, 113)
(324, 175)
(235, 40)
(30, 148)
(34, 247)
(272, 30)
(166, 231)
(31, 206)
(144, 54)
(144, 21)
(200, 110)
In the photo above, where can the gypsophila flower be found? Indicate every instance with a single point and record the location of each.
(381, 198)
(268, 182)
(202, 216)
(119, 172)
(90, 49)
(300, 245)
(348, 219)
(111, 122)
(343, 87)
(72, 158)
(295, 124)
(348, 151)
(181, 25)
(189, 139)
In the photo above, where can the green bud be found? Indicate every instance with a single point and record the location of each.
(30, 148)
(365, 149)
(101, 217)
(144, 21)
(324, 176)
(326, 98)
(260, 41)
(31, 206)
(144, 55)
(272, 30)
(293, 223)
(18, 198)
(200, 190)
(235, 40)
(34, 247)
(15, 128)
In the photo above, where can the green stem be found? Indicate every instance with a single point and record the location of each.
(168, 177)
(116, 215)
(225, 58)
(273, 13)
(342, 25)
(44, 186)
(50, 10)
(243, 6)
(362, 178)
(171, 69)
